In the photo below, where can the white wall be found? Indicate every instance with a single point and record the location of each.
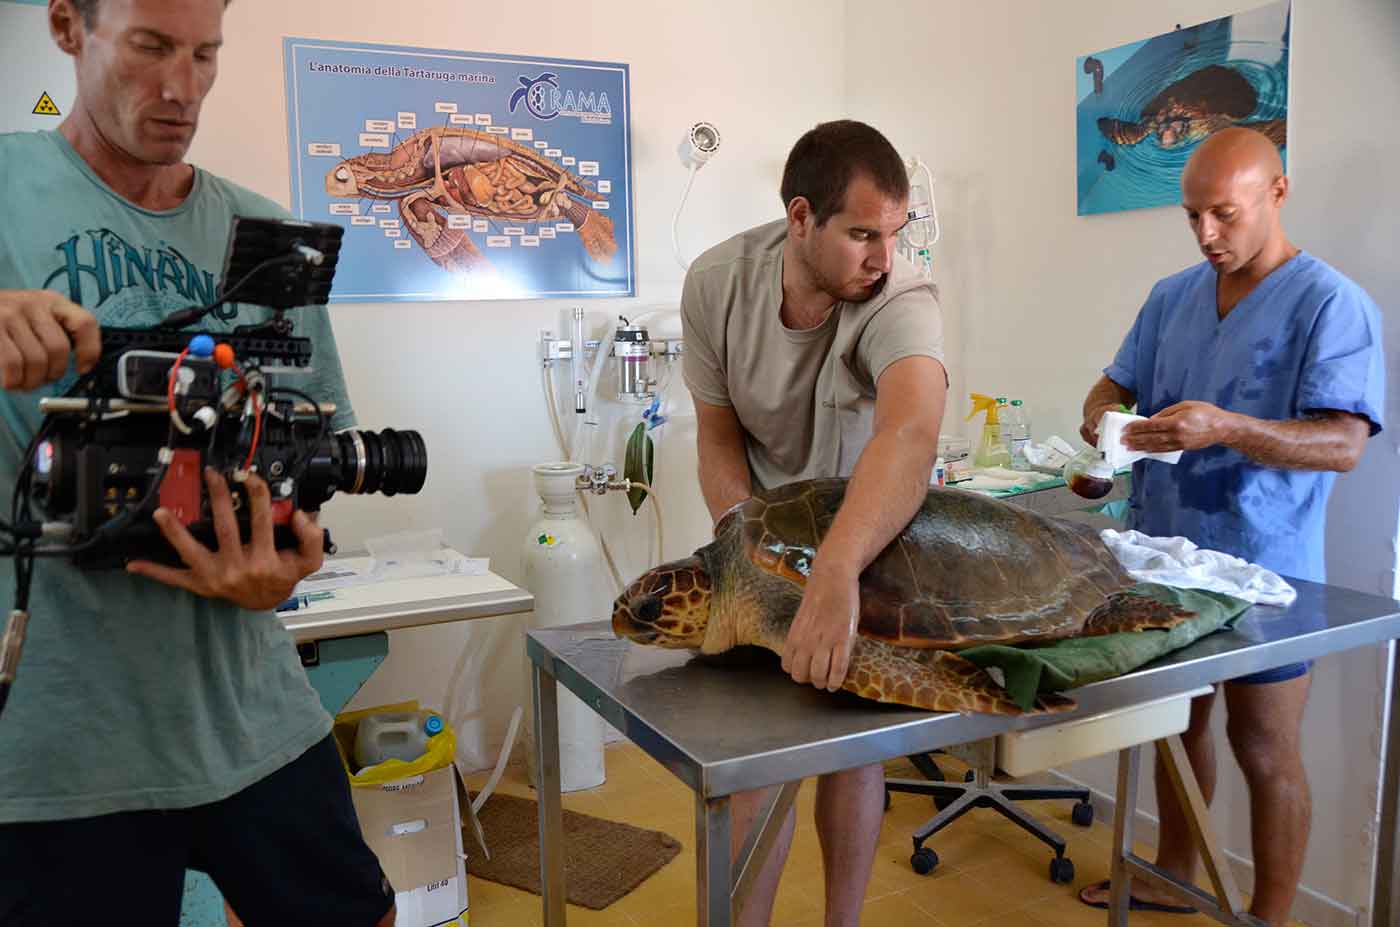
(465, 373)
(1040, 298)
(26, 76)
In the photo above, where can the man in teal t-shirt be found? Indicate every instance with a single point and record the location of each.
(161, 719)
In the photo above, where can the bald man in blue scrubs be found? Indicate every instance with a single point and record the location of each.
(1264, 365)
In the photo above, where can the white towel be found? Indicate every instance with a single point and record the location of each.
(1111, 442)
(1179, 562)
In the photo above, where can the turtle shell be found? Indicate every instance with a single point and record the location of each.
(966, 570)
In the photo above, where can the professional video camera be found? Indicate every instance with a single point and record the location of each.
(162, 404)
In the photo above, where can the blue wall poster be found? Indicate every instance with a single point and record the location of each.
(1144, 107)
(463, 175)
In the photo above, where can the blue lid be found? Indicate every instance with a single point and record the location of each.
(433, 725)
(201, 346)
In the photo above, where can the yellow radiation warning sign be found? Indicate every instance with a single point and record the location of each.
(45, 106)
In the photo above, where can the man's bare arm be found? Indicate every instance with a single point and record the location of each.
(1327, 439)
(891, 477)
(889, 483)
(1324, 440)
(724, 462)
(1105, 396)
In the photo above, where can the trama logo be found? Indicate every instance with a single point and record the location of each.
(544, 99)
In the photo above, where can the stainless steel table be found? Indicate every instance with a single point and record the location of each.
(723, 725)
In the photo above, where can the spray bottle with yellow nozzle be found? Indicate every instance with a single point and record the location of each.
(991, 452)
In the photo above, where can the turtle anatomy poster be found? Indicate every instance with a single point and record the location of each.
(462, 175)
(1144, 107)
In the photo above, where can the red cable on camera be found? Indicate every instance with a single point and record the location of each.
(258, 410)
(225, 358)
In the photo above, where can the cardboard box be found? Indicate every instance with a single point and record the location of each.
(412, 825)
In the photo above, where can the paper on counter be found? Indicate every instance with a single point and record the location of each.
(343, 572)
(337, 574)
(1051, 456)
(443, 563)
(1000, 478)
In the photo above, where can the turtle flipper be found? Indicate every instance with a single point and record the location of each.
(937, 680)
(1123, 133)
(1132, 611)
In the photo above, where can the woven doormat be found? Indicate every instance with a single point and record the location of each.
(603, 860)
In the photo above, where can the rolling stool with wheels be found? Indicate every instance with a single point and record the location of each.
(954, 799)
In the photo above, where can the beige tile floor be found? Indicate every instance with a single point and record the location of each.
(991, 872)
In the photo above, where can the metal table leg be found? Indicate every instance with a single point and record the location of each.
(763, 834)
(712, 870)
(1225, 905)
(1385, 903)
(551, 812)
(1193, 803)
(1125, 810)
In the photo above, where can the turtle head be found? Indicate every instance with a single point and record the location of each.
(666, 607)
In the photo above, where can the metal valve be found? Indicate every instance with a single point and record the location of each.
(600, 480)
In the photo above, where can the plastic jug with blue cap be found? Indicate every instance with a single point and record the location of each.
(396, 735)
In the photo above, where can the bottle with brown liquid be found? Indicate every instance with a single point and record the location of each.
(1088, 475)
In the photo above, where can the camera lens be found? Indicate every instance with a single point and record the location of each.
(387, 462)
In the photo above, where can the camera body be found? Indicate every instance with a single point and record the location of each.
(105, 462)
(163, 405)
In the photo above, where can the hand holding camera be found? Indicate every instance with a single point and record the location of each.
(39, 331)
(256, 575)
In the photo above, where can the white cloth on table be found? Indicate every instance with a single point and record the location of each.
(1179, 562)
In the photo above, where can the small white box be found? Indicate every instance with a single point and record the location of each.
(1021, 753)
(413, 825)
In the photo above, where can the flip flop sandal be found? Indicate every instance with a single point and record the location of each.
(1134, 904)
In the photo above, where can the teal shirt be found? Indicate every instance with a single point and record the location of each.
(133, 695)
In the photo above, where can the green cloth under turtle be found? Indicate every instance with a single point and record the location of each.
(1079, 661)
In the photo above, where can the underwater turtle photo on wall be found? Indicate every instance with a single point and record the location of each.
(967, 571)
(1144, 107)
(1213, 98)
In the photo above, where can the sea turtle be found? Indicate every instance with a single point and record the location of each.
(1188, 110)
(967, 570)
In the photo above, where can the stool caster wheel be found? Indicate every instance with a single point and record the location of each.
(1061, 870)
(924, 860)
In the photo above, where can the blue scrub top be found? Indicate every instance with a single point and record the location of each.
(1305, 339)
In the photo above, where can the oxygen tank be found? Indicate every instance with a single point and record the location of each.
(565, 573)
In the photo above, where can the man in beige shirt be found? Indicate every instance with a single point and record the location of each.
(812, 351)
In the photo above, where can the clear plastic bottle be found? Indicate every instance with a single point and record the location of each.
(1018, 435)
(991, 451)
(1004, 423)
(394, 735)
